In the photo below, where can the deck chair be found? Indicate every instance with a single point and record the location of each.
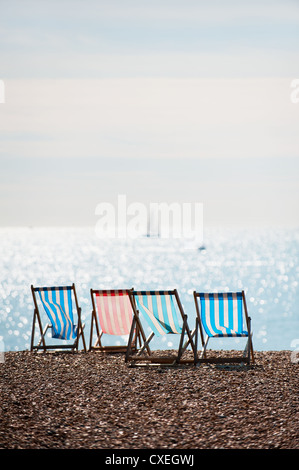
(57, 303)
(112, 314)
(162, 311)
(221, 315)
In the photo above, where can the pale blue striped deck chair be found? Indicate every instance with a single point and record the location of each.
(57, 303)
(222, 315)
(162, 313)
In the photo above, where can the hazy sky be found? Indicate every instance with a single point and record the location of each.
(164, 101)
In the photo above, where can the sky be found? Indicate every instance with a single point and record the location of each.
(162, 101)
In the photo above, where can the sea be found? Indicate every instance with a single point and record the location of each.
(262, 262)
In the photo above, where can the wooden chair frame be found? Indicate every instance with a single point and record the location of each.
(140, 359)
(248, 351)
(98, 346)
(41, 345)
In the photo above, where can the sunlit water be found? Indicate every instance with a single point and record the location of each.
(264, 263)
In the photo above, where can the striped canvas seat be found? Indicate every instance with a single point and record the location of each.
(223, 315)
(112, 315)
(158, 309)
(58, 304)
(163, 314)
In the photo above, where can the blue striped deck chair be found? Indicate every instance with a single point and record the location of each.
(57, 303)
(222, 315)
(162, 313)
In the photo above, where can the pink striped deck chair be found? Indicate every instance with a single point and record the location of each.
(112, 314)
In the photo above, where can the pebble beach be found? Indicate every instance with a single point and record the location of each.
(95, 401)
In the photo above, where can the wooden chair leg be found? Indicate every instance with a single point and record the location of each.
(146, 343)
(203, 352)
(129, 346)
(180, 351)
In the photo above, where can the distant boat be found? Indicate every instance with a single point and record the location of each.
(201, 248)
(193, 245)
(153, 225)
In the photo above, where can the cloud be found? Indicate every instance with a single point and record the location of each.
(246, 63)
(149, 118)
(166, 98)
(166, 10)
(72, 39)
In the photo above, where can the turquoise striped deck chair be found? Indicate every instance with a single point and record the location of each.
(222, 315)
(58, 305)
(162, 313)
